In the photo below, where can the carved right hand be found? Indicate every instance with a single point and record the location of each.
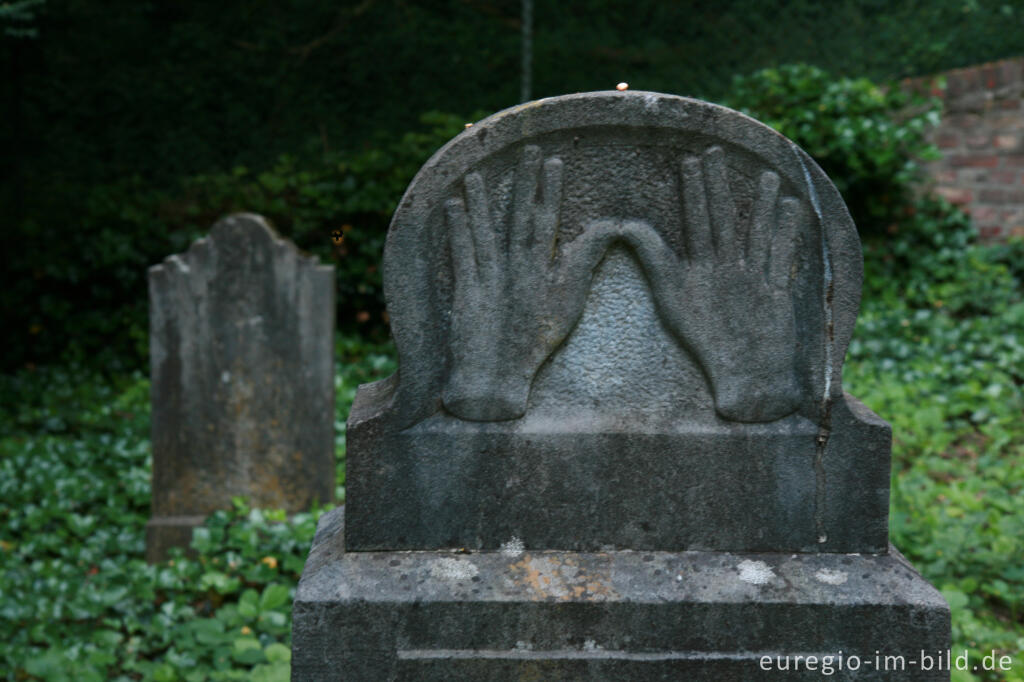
(729, 300)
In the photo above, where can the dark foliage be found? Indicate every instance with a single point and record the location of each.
(129, 124)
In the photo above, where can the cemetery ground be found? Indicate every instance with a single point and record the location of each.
(938, 352)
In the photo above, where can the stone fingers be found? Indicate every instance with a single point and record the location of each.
(695, 207)
(546, 217)
(523, 196)
(584, 253)
(762, 222)
(587, 250)
(484, 241)
(774, 226)
(791, 216)
(461, 242)
(720, 205)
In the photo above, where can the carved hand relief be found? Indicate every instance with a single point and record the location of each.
(727, 299)
(616, 315)
(515, 297)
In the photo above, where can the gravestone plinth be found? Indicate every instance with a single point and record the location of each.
(242, 370)
(617, 446)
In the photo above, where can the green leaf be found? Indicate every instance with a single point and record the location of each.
(247, 650)
(220, 582)
(248, 605)
(209, 631)
(957, 599)
(278, 652)
(279, 671)
(274, 595)
(48, 665)
(165, 672)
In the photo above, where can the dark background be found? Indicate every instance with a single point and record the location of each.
(127, 128)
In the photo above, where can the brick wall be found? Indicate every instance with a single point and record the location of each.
(981, 139)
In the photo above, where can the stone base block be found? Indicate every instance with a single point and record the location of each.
(620, 615)
(592, 482)
(164, 532)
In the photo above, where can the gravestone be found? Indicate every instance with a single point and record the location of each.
(242, 370)
(617, 446)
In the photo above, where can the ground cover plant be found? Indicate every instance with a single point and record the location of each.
(77, 600)
(938, 351)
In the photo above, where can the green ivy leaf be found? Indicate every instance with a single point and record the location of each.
(274, 596)
(248, 605)
(247, 650)
(278, 652)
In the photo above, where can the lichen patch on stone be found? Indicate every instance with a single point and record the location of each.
(513, 547)
(755, 572)
(453, 569)
(831, 577)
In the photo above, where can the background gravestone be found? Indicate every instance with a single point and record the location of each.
(241, 352)
(617, 445)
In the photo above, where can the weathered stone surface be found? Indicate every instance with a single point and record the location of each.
(241, 351)
(620, 318)
(604, 483)
(623, 615)
(617, 447)
(627, 156)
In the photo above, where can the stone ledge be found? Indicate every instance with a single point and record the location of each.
(428, 615)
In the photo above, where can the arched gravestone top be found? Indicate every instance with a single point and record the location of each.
(624, 158)
(621, 319)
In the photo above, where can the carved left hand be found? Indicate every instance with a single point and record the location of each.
(514, 300)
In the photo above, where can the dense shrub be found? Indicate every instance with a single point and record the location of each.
(868, 139)
(86, 280)
(930, 260)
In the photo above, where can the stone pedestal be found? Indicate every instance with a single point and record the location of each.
(621, 615)
(617, 446)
